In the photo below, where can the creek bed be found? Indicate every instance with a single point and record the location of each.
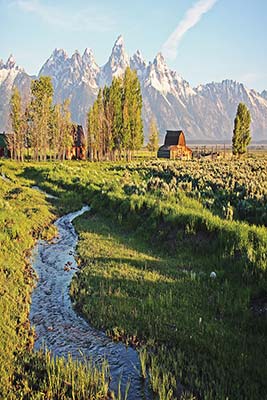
(60, 329)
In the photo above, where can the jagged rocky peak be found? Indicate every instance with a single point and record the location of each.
(227, 86)
(119, 42)
(88, 56)
(160, 62)
(138, 58)
(158, 67)
(10, 64)
(9, 70)
(138, 63)
(158, 75)
(60, 53)
(76, 58)
(117, 63)
(88, 59)
(231, 84)
(264, 94)
(55, 63)
(119, 57)
(59, 56)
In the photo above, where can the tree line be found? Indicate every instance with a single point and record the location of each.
(114, 122)
(39, 128)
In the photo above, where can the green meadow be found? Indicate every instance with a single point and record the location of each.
(25, 217)
(155, 232)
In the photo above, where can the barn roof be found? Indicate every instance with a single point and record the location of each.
(172, 138)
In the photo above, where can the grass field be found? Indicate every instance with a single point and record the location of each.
(147, 249)
(25, 216)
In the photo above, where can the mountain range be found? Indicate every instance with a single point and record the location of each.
(205, 112)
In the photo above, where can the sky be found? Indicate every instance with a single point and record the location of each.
(203, 40)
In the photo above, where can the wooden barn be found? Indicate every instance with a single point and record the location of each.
(3, 145)
(174, 146)
(78, 150)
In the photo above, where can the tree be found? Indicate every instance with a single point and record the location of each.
(133, 136)
(114, 122)
(41, 114)
(241, 133)
(153, 140)
(16, 138)
(115, 104)
(66, 139)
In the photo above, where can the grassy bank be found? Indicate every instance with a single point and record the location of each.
(153, 287)
(26, 216)
(198, 332)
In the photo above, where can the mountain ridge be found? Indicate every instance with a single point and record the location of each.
(205, 112)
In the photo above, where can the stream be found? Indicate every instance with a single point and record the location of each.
(57, 325)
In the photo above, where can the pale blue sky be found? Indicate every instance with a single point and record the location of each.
(228, 40)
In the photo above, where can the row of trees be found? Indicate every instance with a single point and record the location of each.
(115, 126)
(114, 122)
(40, 128)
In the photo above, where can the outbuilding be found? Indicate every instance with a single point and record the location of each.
(78, 149)
(174, 146)
(3, 145)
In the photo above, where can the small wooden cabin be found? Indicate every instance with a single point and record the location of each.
(174, 146)
(78, 150)
(3, 145)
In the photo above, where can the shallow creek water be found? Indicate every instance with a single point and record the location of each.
(57, 325)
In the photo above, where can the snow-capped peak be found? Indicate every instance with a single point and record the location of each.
(89, 60)
(59, 53)
(11, 62)
(118, 54)
(117, 63)
(163, 79)
(55, 65)
(88, 55)
(227, 86)
(160, 62)
(119, 41)
(138, 63)
(9, 71)
(138, 57)
(76, 56)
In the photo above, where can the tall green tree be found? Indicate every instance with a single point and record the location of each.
(16, 138)
(115, 108)
(66, 138)
(132, 112)
(114, 122)
(56, 127)
(241, 134)
(107, 124)
(41, 113)
(153, 139)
